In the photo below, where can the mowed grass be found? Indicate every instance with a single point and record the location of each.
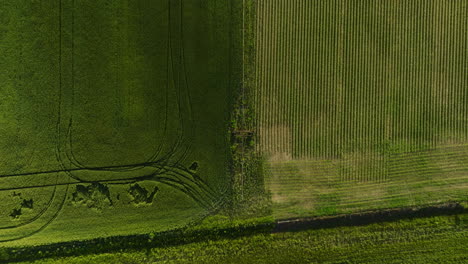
(100, 91)
(362, 104)
(440, 239)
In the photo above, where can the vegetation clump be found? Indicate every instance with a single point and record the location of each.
(140, 195)
(95, 196)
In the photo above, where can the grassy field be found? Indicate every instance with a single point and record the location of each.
(135, 117)
(427, 240)
(113, 116)
(361, 104)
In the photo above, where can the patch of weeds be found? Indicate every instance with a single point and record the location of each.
(95, 196)
(16, 213)
(27, 204)
(141, 195)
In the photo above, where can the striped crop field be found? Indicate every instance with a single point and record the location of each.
(361, 104)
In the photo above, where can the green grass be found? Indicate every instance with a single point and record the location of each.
(356, 105)
(440, 239)
(111, 92)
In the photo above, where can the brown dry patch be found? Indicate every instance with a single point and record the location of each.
(362, 166)
(299, 181)
(450, 141)
(450, 160)
(462, 185)
(276, 142)
(361, 191)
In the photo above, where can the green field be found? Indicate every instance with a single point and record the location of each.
(426, 240)
(122, 119)
(112, 116)
(361, 104)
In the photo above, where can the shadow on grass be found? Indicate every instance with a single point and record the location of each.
(188, 235)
